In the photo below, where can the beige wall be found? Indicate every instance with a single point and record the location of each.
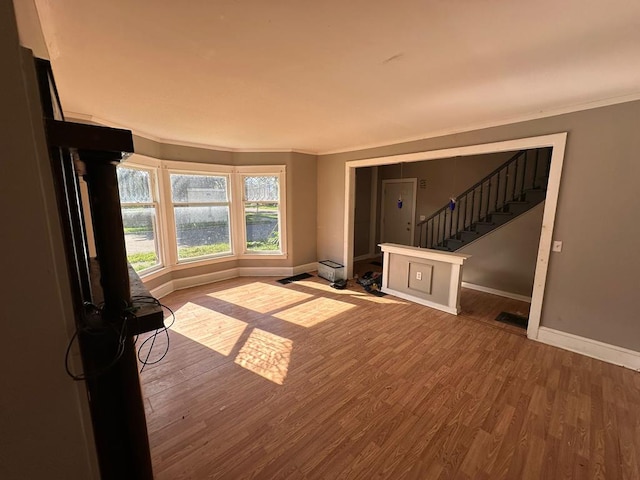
(330, 208)
(43, 412)
(505, 258)
(592, 285)
(302, 209)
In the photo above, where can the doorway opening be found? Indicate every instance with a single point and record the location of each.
(555, 141)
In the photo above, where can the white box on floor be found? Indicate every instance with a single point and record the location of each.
(331, 271)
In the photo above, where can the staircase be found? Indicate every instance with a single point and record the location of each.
(513, 188)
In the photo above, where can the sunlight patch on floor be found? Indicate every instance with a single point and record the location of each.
(314, 311)
(212, 329)
(260, 297)
(266, 354)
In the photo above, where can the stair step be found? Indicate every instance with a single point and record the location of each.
(483, 227)
(500, 218)
(453, 243)
(440, 247)
(516, 208)
(535, 196)
(469, 235)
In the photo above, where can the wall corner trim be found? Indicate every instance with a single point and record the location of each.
(591, 348)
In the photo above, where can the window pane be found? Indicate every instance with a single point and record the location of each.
(262, 220)
(140, 235)
(261, 189)
(134, 185)
(198, 188)
(202, 231)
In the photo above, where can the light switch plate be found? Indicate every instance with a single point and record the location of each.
(557, 246)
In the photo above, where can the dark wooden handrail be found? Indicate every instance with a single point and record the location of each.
(489, 176)
(477, 205)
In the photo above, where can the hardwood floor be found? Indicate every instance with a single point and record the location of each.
(297, 381)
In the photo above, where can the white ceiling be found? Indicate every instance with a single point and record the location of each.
(329, 75)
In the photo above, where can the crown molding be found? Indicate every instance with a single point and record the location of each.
(83, 117)
(495, 123)
(87, 118)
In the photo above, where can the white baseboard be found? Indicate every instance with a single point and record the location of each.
(264, 271)
(277, 271)
(493, 291)
(306, 268)
(591, 348)
(187, 282)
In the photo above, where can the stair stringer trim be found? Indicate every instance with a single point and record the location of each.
(499, 227)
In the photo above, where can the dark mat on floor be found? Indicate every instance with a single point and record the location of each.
(295, 278)
(513, 319)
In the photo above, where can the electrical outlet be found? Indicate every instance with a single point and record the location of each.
(557, 246)
(418, 275)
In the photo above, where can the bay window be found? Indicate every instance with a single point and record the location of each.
(178, 213)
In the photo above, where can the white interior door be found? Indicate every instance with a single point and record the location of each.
(397, 223)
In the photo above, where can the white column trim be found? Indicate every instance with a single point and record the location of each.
(454, 287)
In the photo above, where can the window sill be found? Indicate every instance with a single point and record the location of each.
(183, 264)
(263, 256)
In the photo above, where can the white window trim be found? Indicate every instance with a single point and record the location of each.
(167, 240)
(168, 169)
(160, 233)
(257, 170)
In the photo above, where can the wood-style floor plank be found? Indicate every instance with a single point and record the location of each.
(302, 381)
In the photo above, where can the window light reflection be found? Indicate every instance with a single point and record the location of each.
(313, 312)
(260, 297)
(266, 354)
(212, 329)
